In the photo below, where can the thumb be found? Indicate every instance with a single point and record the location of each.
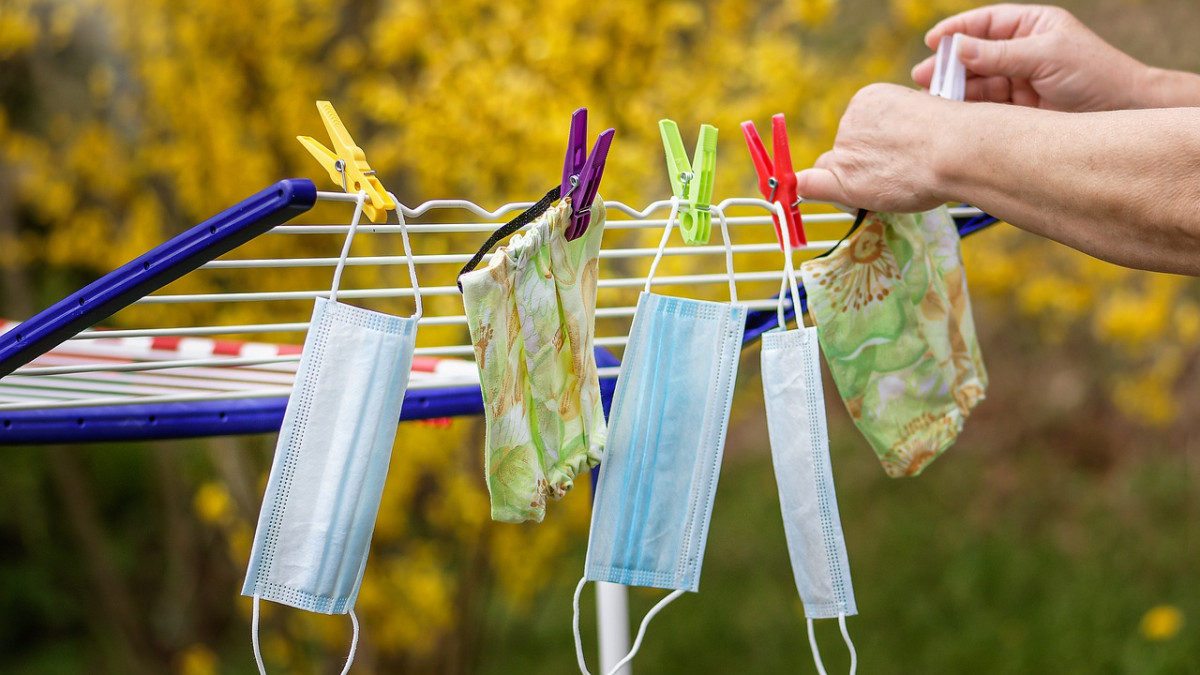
(821, 185)
(1017, 58)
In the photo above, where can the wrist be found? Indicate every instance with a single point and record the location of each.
(954, 140)
(1162, 88)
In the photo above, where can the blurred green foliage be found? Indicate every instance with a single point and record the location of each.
(1058, 536)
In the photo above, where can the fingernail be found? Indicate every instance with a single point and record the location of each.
(968, 48)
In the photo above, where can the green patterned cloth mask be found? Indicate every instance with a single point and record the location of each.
(894, 320)
(531, 313)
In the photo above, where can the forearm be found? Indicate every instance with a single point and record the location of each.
(1160, 88)
(1122, 186)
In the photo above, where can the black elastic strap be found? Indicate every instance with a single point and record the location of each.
(526, 217)
(858, 220)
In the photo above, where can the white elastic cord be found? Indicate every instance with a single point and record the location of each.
(353, 643)
(412, 266)
(575, 625)
(789, 280)
(337, 272)
(849, 643)
(728, 252)
(662, 245)
(637, 643)
(812, 643)
(262, 669)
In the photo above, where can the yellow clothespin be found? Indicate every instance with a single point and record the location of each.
(347, 164)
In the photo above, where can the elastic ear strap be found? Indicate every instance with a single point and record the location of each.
(412, 265)
(526, 217)
(662, 245)
(637, 643)
(812, 644)
(575, 625)
(262, 669)
(353, 641)
(337, 272)
(858, 221)
(728, 251)
(788, 282)
(849, 643)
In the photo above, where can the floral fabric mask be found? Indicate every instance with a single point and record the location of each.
(531, 313)
(894, 320)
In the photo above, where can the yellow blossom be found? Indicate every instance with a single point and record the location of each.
(198, 660)
(1161, 623)
(212, 503)
(18, 31)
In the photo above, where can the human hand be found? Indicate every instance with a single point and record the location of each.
(1037, 56)
(887, 154)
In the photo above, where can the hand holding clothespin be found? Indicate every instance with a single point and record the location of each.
(582, 172)
(347, 164)
(949, 74)
(692, 182)
(778, 181)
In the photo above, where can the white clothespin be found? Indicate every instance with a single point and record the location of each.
(949, 74)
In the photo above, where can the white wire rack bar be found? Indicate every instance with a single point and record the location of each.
(461, 258)
(98, 368)
(678, 280)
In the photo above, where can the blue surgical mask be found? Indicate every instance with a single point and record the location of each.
(667, 430)
(331, 460)
(795, 405)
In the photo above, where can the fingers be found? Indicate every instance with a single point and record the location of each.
(997, 22)
(922, 73)
(1018, 58)
(1024, 94)
(994, 89)
(821, 185)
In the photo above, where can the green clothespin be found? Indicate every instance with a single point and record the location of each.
(692, 182)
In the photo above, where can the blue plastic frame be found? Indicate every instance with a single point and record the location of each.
(249, 416)
(154, 269)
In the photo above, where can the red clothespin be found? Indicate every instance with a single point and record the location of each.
(582, 172)
(777, 182)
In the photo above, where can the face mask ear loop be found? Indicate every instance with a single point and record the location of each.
(637, 643)
(812, 643)
(262, 670)
(412, 265)
(789, 280)
(353, 643)
(662, 245)
(849, 643)
(728, 252)
(575, 625)
(337, 272)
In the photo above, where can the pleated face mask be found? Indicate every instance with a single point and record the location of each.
(894, 319)
(331, 460)
(531, 313)
(795, 406)
(669, 414)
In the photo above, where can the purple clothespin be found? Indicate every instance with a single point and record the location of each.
(582, 172)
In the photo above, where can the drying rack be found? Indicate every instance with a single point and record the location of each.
(63, 381)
